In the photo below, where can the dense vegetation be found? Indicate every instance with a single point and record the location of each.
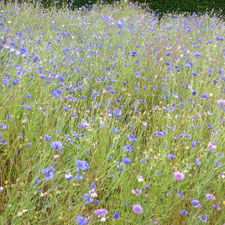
(160, 7)
(107, 115)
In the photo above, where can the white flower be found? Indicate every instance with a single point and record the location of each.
(140, 179)
(92, 193)
(103, 219)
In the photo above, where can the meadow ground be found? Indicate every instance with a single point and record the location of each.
(108, 116)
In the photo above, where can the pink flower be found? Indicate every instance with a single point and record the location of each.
(221, 102)
(101, 212)
(136, 192)
(179, 176)
(210, 197)
(137, 209)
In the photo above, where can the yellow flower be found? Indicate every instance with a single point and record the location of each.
(224, 202)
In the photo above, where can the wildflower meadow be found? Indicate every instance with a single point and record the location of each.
(110, 116)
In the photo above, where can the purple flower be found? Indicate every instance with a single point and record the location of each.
(82, 125)
(101, 212)
(221, 102)
(116, 130)
(134, 53)
(126, 161)
(136, 192)
(47, 137)
(137, 209)
(27, 107)
(81, 165)
(79, 177)
(80, 220)
(68, 176)
(195, 203)
(210, 197)
(197, 55)
(56, 145)
(117, 113)
(116, 215)
(183, 212)
(87, 198)
(128, 148)
(131, 137)
(179, 176)
(203, 219)
(203, 96)
(3, 142)
(49, 173)
(3, 126)
(217, 207)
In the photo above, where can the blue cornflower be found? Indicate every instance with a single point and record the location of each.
(56, 145)
(3, 142)
(81, 165)
(79, 177)
(197, 162)
(28, 96)
(116, 215)
(183, 212)
(194, 73)
(66, 108)
(47, 137)
(3, 126)
(82, 125)
(171, 156)
(80, 220)
(218, 38)
(126, 161)
(69, 176)
(55, 94)
(49, 173)
(197, 55)
(134, 53)
(131, 137)
(128, 148)
(180, 193)
(217, 207)
(203, 219)
(195, 203)
(87, 198)
(117, 113)
(74, 115)
(116, 130)
(160, 134)
(27, 107)
(203, 96)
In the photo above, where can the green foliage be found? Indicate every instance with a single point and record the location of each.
(159, 6)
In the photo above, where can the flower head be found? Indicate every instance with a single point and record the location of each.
(137, 209)
(183, 212)
(49, 173)
(101, 212)
(210, 197)
(116, 215)
(56, 145)
(179, 176)
(203, 219)
(80, 220)
(81, 165)
(195, 203)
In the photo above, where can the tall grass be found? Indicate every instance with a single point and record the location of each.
(116, 103)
